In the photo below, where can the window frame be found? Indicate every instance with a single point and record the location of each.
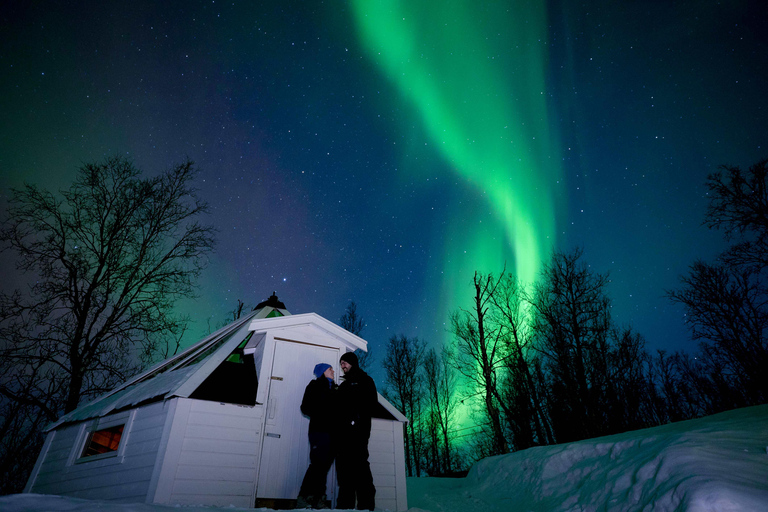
(88, 428)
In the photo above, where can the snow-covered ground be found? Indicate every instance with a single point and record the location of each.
(719, 463)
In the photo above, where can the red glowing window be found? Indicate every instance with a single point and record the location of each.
(103, 441)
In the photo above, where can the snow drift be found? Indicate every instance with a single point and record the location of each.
(718, 463)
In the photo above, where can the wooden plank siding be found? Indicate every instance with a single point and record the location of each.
(124, 477)
(398, 429)
(212, 455)
(382, 458)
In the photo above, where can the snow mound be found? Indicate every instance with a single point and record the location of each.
(719, 463)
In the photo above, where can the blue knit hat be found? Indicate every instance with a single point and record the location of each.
(320, 369)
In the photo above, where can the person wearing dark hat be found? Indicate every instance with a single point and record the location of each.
(357, 401)
(320, 404)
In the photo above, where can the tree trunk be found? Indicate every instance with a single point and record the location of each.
(73, 394)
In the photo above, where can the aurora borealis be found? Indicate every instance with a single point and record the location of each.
(484, 111)
(382, 152)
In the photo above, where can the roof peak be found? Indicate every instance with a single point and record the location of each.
(272, 301)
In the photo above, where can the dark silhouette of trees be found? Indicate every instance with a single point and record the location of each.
(355, 324)
(21, 428)
(597, 377)
(632, 391)
(572, 322)
(739, 206)
(351, 321)
(726, 301)
(726, 312)
(440, 381)
(551, 363)
(520, 395)
(404, 388)
(479, 354)
(107, 259)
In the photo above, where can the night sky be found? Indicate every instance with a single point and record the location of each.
(380, 152)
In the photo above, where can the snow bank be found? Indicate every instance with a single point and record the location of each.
(719, 463)
(714, 464)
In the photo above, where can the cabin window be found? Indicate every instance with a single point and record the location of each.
(103, 441)
(104, 437)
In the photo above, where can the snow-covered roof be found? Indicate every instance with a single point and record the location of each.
(391, 409)
(165, 378)
(182, 374)
(156, 388)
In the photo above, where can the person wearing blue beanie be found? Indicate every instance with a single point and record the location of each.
(320, 369)
(319, 403)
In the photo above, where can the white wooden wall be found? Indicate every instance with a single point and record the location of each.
(211, 455)
(124, 477)
(387, 460)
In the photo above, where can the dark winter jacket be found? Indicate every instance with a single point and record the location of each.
(357, 401)
(320, 403)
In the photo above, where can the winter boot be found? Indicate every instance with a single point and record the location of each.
(305, 502)
(322, 503)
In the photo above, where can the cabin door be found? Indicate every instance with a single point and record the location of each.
(285, 450)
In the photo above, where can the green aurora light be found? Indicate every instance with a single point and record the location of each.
(474, 73)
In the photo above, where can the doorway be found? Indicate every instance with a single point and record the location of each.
(285, 449)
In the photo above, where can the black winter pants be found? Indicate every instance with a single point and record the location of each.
(354, 474)
(320, 460)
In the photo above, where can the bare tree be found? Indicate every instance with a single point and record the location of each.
(572, 322)
(107, 259)
(631, 389)
(110, 257)
(521, 400)
(21, 425)
(726, 301)
(355, 324)
(440, 405)
(726, 312)
(238, 310)
(739, 205)
(351, 321)
(402, 364)
(679, 383)
(479, 353)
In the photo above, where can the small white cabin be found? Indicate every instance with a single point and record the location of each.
(218, 424)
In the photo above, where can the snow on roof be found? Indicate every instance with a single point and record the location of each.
(145, 391)
(181, 374)
(160, 380)
(391, 409)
